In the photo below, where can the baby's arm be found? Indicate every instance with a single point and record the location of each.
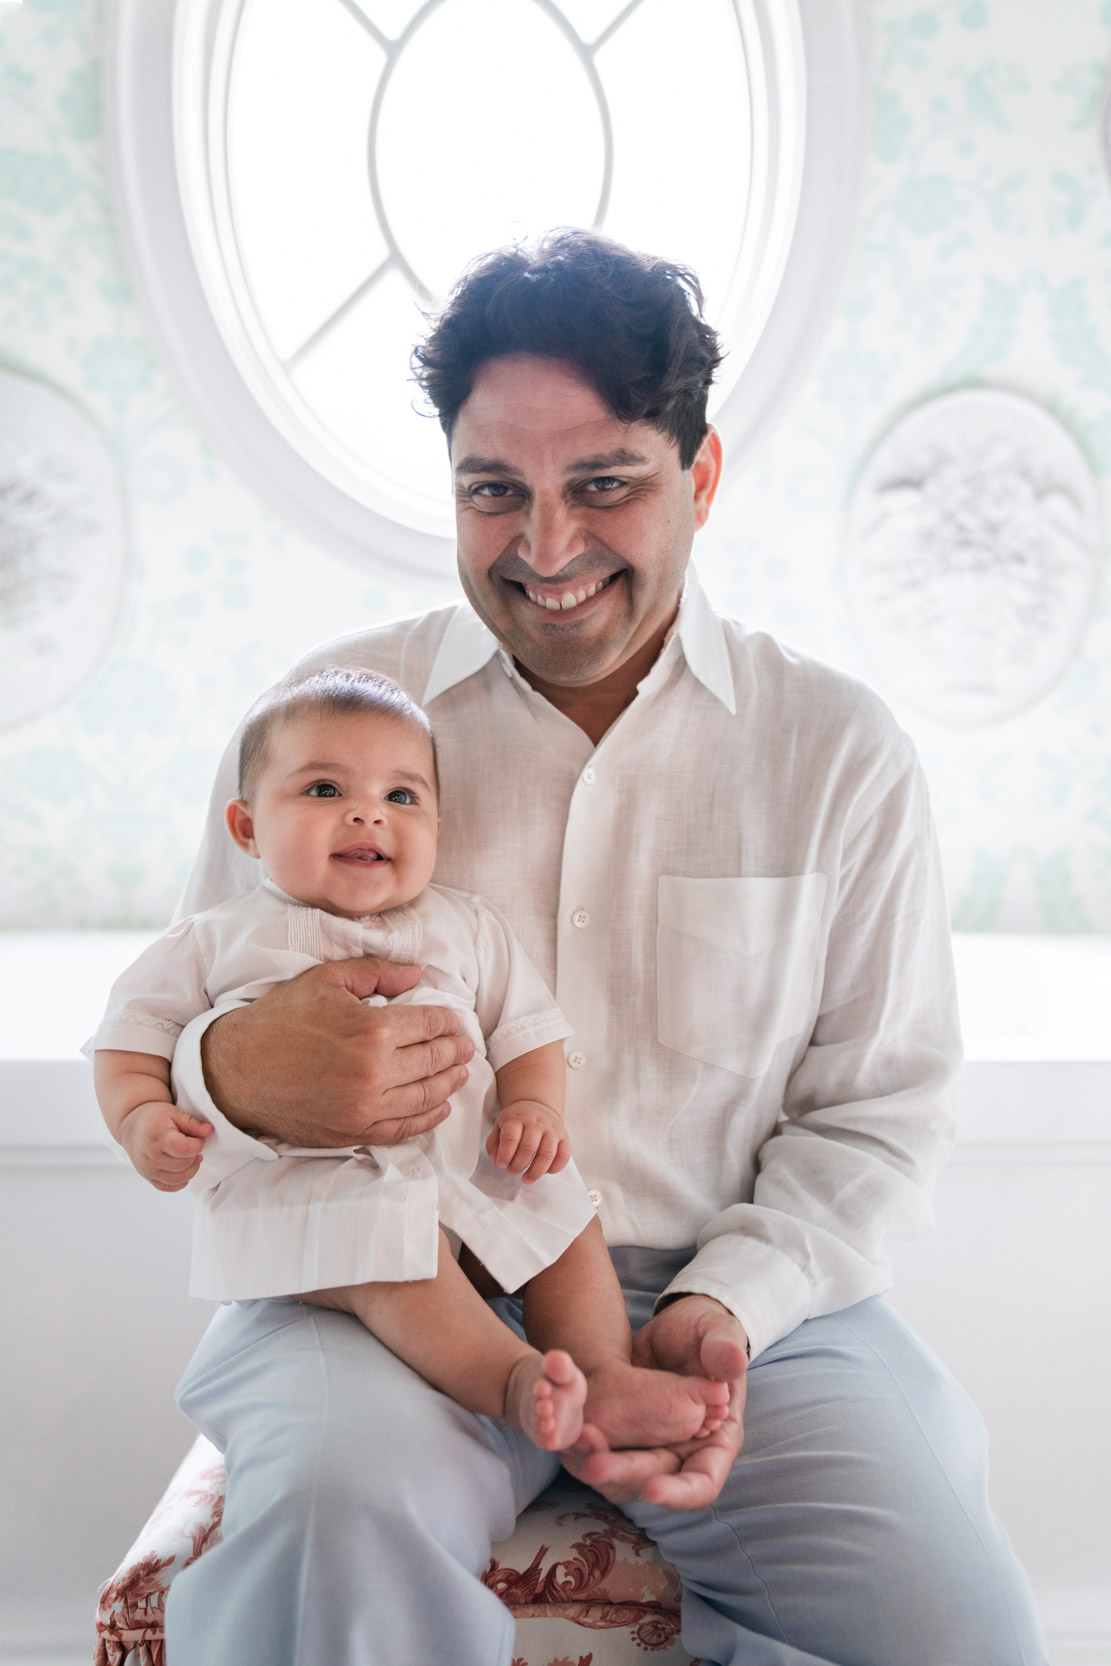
(163, 1142)
(529, 1138)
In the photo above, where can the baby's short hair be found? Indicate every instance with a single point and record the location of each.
(337, 690)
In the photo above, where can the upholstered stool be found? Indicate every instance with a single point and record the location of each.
(584, 1586)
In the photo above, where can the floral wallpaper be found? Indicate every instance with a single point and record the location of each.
(983, 258)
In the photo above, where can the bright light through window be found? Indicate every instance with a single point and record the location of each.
(371, 148)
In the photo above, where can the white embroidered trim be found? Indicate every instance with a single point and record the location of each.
(507, 1033)
(141, 1021)
(399, 931)
(305, 935)
(407, 935)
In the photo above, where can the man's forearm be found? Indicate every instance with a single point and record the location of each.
(230, 1087)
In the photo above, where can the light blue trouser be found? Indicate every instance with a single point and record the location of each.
(854, 1530)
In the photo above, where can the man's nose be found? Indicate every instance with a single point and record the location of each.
(552, 537)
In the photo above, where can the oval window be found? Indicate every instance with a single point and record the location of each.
(337, 163)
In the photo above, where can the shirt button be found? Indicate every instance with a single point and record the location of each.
(595, 1198)
(580, 917)
(576, 1060)
(588, 775)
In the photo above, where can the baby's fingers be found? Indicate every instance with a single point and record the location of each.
(503, 1142)
(167, 1180)
(532, 1137)
(562, 1155)
(546, 1158)
(179, 1145)
(196, 1126)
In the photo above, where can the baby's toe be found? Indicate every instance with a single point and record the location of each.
(559, 1367)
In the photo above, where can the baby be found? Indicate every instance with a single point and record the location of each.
(339, 801)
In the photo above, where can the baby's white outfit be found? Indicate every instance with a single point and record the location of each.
(275, 1219)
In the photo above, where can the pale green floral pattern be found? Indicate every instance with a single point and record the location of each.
(983, 256)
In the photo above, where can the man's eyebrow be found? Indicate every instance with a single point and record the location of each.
(605, 460)
(474, 464)
(598, 464)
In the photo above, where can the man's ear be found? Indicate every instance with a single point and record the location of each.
(706, 475)
(240, 825)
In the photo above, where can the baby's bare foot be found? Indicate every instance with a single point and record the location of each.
(636, 1407)
(545, 1397)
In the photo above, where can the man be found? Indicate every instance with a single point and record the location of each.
(720, 855)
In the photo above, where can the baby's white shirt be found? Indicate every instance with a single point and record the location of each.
(275, 1219)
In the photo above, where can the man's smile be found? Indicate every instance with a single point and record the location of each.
(556, 597)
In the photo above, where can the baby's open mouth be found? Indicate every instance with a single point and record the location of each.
(359, 854)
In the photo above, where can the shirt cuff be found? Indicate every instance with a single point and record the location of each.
(523, 1035)
(127, 1036)
(758, 1284)
(227, 1148)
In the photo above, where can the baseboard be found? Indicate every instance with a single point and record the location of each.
(72, 1649)
(64, 1636)
(33, 1655)
(1077, 1627)
(1079, 1651)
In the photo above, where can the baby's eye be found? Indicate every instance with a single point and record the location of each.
(400, 795)
(324, 789)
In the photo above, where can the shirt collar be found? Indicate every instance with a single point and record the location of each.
(467, 646)
(702, 636)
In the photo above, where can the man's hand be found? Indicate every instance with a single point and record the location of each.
(310, 1064)
(695, 1336)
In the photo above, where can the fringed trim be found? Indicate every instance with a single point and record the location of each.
(131, 1648)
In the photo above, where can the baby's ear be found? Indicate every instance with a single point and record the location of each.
(241, 825)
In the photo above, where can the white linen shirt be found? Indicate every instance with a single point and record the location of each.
(736, 898)
(274, 1219)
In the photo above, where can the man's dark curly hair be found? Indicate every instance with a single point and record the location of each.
(631, 323)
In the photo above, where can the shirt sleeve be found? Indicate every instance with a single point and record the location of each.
(151, 1003)
(227, 1148)
(514, 1006)
(869, 1109)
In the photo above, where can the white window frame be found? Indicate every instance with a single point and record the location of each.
(159, 60)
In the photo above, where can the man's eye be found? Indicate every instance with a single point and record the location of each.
(492, 495)
(604, 483)
(400, 795)
(324, 789)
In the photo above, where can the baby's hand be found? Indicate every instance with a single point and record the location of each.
(164, 1144)
(529, 1139)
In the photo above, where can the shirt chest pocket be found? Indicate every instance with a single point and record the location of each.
(735, 963)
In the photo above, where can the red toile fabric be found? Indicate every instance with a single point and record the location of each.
(575, 1572)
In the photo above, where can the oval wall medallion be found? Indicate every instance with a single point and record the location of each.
(974, 555)
(63, 549)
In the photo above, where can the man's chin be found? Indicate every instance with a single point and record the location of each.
(563, 651)
(566, 664)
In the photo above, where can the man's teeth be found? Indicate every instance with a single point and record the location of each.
(571, 599)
